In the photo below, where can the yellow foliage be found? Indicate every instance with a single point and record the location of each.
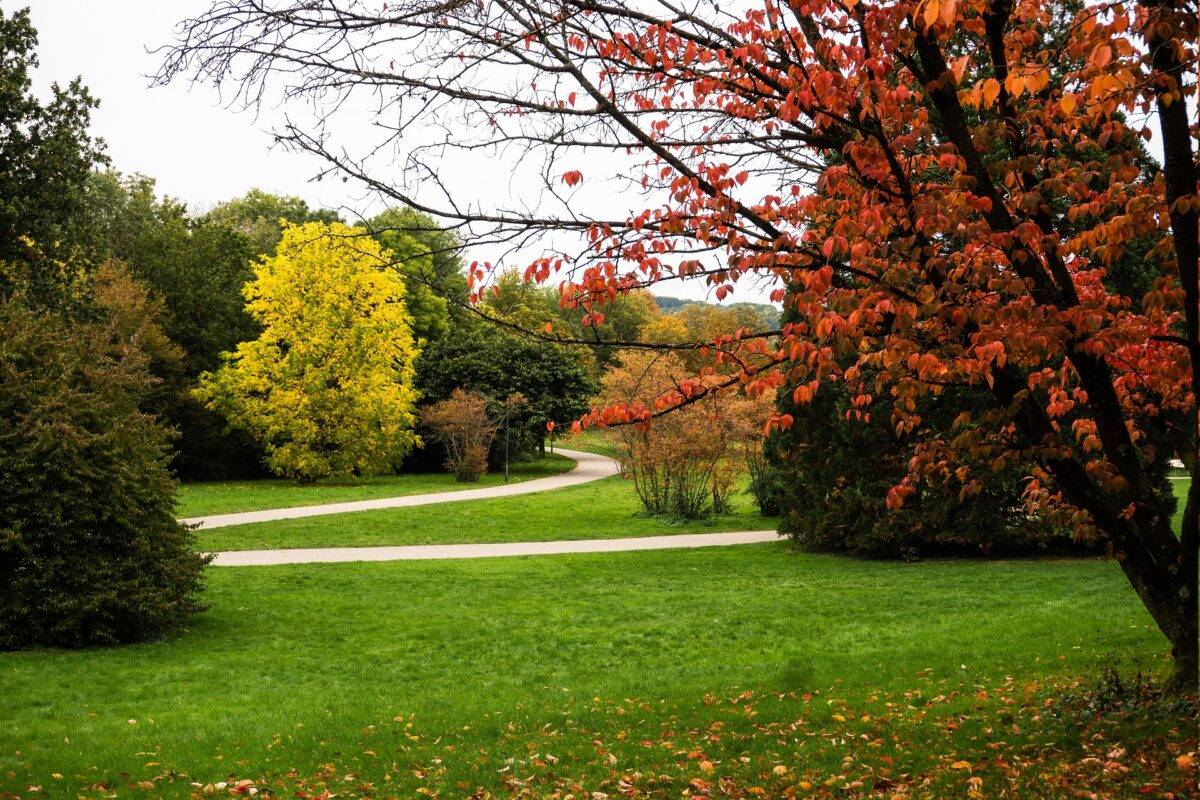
(327, 387)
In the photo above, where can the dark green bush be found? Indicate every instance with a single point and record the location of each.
(90, 551)
(483, 358)
(831, 477)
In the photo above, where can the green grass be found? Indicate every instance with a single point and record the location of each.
(226, 497)
(1181, 490)
(552, 671)
(591, 440)
(604, 509)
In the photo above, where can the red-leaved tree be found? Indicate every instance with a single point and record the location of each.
(943, 192)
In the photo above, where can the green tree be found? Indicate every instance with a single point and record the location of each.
(197, 266)
(327, 387)
(257, 214)
(90, 551)
(427, 255)
(196, 269)
(486, 359)
(46, 155)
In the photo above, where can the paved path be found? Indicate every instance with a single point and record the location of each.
(588, 467)
(323, 555)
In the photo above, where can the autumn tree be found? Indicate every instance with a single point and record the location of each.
(137, 318)
(938, 188)
(327, 387)
(703, 322)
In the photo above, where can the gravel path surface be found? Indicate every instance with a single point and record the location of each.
(323, 555)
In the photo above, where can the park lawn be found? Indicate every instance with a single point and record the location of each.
(735, 672)
(227, 497)
(1181, 490)
(590, 440)
(604, 509)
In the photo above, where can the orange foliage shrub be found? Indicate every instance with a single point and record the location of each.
(687, 462)
(462, 425)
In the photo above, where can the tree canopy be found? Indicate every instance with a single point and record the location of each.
(488, 360)
(258, 215)
(46, 155)
(427, 256)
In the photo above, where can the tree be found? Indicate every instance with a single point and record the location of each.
(90, 550)
(196, 269)
(830, 481)
(258, 216)
(428, 258)
(937, 188)
(491, 361)
(464, 427)
(46, 155)
(136, 317)
(327, 387)
(704, 322)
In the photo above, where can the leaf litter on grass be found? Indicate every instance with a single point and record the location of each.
(947, 738)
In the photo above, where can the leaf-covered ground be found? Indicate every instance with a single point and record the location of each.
(940, 739)
(731, 672)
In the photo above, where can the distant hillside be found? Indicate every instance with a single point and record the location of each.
(769, 313)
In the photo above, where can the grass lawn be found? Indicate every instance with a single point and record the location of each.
(226, 497)
(591, 440)
(603, 509)
(732, 672)
(1181, 490)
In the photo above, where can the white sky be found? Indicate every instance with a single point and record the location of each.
(197, 149)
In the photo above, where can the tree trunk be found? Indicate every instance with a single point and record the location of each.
(1185, 650)
(1167, 585)
(1185, 645)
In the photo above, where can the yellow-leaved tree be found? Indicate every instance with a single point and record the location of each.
(327, 387)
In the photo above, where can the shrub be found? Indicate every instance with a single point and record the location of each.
(462, 425)
(90, 551)
(685, 463)
(831, 471)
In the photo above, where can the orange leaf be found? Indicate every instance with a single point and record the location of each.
(991, 90)
(932, 11)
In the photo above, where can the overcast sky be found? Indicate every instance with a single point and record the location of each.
(198, 149)
(182, 136)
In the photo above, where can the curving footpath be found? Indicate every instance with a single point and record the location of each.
(588, 467)
(327, 555)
